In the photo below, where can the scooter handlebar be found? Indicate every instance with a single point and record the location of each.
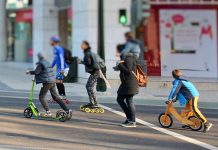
(33, 79)
(173, 101)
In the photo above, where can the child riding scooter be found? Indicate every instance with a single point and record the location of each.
(44, 74)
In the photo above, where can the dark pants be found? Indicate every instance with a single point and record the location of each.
(90, 87)
(61, 89)
(126, 103)
(44, 90)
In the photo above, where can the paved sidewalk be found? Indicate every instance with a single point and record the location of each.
(13, 77)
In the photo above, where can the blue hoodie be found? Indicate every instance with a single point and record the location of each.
(183, 90)
(59, 60)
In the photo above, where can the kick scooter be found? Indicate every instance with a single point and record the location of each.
(32, 110)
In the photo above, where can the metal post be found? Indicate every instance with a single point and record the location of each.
(101, 29)
(101, 86)
(3, 34)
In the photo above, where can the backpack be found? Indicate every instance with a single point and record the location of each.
(141, 77)
(98, 61)
(68, 56)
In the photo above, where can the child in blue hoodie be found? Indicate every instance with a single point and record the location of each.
(187, 94)
(61, 65)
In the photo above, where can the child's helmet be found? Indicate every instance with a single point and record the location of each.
(176, 73)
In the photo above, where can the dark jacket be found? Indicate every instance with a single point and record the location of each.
(129, 84)
(89, 63)
(43, 72)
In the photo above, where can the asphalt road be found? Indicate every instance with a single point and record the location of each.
(92, 131)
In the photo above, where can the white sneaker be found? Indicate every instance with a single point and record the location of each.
(207, 127)
(48, 114)
(129, 125)
(63, 97)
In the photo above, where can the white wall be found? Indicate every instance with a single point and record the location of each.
(205, 56)
(85, 27)
(45, 25)
(114, 32)
(3, 41)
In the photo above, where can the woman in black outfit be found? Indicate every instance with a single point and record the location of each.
(128, 87)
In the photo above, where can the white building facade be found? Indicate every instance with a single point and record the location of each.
(84, 27)
(167, 44)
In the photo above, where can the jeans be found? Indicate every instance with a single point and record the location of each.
(126, 103)
(44, 90)
(90, 87)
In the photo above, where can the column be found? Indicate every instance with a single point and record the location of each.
(45, 25)
(114, 33)
(3, 39)
(84, 27)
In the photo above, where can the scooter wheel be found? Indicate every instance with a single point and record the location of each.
(165, 122)
(58, 113)
(70, 115)
(197, 123)
(62, 116)
(28, 113)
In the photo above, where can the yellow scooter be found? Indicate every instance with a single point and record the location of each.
(188, 119)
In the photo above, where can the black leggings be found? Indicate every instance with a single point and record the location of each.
(61, 89)
(126, 103)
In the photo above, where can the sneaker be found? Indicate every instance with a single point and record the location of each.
(63, 97)
(207, 127)
(69, 114)
(129, 125)
(125, 122)
(48, 114)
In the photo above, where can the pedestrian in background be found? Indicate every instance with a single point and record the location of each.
(131, 46)
(60, 62)
(128, 87)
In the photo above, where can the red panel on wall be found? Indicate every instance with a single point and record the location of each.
(24, 16)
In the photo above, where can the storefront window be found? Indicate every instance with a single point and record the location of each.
(19, 30)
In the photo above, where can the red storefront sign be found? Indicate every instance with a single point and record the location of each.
(24, 16)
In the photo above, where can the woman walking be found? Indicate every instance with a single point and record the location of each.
(128, 87)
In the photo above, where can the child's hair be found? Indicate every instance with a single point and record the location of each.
(129, 35)
(176, 73)
(120, 47)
